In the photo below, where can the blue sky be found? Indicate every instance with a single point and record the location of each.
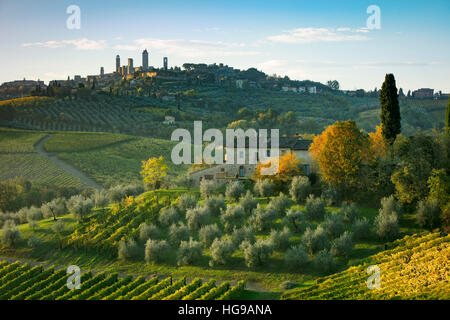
(316, 40)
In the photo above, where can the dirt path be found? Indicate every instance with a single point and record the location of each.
(39, 147)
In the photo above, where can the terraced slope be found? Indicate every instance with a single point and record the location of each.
(418, 267)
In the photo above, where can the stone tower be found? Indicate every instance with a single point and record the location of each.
(117, 63)
(145, 60)
(166, 63)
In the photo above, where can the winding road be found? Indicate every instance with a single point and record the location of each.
(39, 147)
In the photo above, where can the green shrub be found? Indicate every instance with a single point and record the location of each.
(334, 225)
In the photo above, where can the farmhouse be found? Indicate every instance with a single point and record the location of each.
(222, 173)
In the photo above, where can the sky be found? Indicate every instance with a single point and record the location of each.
(316, 40)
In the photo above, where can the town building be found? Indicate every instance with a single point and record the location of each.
(223, 173)
(145, 60)
(118, 64)
(423, 93)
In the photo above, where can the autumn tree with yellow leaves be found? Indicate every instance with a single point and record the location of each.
(153, 172)
(288, 167)
(340, 152)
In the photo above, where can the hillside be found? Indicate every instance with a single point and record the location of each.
(107, 158)
(417, 267)
(216, 107)
(24, 282)
(18, 158)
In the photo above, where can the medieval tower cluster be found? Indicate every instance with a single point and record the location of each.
(130, 69)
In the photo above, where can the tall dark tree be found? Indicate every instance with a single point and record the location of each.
(390, 109)
(447, 117)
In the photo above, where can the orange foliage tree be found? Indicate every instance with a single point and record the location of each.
(340, 152)
(288, 167)
(378, 145)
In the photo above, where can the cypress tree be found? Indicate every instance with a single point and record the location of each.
(390, 109)
(447, 117)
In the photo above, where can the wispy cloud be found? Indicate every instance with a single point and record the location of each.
(78, 44)
(189, 48)
(307, 35)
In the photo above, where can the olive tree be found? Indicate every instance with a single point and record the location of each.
(349, 212)
(314, 240)
(207, 188)
(248, 202)
(148, 231)
(264, 188)
(10, 233)
(245, 233)
(295, 220)
(156, 250)
(300, 188)
(234, 191)
(257, 253)
(221, 251)
(54, 208)
(280, 239)
(80, 206)
(261, 219)
(280, 204)
(100, 198)
(215, 204)
(361, 229)
(323, 261)
(343, 245)
(186, 201)
(386, 225)
(127, 249)
(232, 217)
(189, 252)
(296, 257)
(208, 234)
(334, 225)
(315, 208)
(428, 214)
(169, 215)
(197, 217)
(177, 233)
